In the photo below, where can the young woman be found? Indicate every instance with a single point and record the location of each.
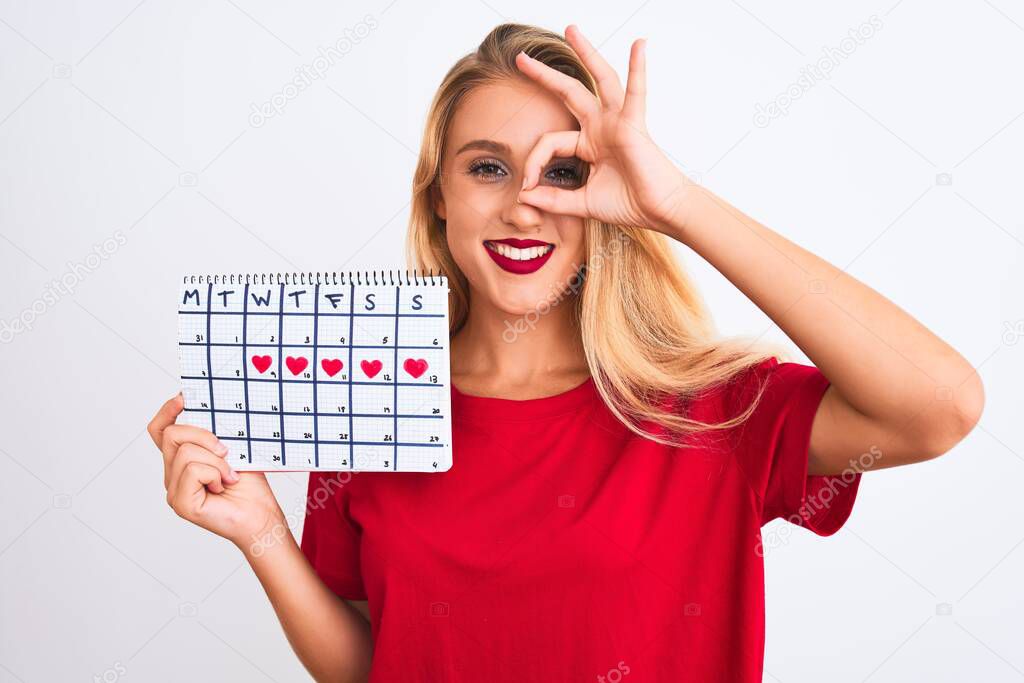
(614, 459)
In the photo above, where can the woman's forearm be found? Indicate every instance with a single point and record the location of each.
(330, 637)
(883, 362)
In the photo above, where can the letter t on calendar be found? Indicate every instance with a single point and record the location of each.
(330, 372)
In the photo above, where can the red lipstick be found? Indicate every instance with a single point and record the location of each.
(514, 260)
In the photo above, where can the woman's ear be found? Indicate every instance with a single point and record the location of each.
(438, 199)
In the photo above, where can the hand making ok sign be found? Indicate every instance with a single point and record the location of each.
(631, 181)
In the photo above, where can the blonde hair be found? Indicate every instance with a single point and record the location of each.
(645, 329)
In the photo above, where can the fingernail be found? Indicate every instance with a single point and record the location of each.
(221, 448)
(232, 476)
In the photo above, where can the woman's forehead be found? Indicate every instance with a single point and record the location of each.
(515, 113)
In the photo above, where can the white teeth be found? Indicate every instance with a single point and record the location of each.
(518, 254)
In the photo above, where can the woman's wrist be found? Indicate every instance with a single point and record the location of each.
(675, 214)
(273, 533)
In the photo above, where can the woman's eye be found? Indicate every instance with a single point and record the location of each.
(491, 171)
(564, 175)
(487, 170)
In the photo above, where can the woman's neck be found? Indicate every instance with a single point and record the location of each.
(518, 356)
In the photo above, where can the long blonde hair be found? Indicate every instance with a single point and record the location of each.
(645, 329)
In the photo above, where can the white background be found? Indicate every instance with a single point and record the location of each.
(133, 119)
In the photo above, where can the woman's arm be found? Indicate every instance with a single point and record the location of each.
(895, 385)
(331, 636)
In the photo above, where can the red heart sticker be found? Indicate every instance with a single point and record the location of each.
(296, 365)
(371, 367)
(415, 366)
(261, 363)
(332, 366)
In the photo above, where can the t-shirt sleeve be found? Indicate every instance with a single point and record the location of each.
(330, 538)
(773, 446)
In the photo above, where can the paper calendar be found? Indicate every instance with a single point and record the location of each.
(319, 371)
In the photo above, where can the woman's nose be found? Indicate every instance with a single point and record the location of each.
(523, 216)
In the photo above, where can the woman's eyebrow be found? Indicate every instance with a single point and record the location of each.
(487, 146)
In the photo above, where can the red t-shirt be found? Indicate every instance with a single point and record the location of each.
(562, 546)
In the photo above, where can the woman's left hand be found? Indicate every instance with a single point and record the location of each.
(631, 182)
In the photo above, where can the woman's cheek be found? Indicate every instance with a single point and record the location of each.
(471, 202)
(570, 228)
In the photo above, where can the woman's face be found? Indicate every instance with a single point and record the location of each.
(493, 131)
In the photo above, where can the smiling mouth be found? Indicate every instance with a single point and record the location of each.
(520, 257)
(518, 253)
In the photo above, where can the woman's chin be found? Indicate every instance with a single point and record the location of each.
(525, 304)
(528, 296)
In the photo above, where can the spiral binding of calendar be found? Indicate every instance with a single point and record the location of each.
(361, 277)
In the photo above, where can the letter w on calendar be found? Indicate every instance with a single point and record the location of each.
(326, 376)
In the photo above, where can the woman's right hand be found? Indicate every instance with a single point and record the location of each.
(332, 637)
(204, 489)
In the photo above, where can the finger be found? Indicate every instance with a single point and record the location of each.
(580, 101)
(609, 88)
(165, 417)
(634, 106)
(561, 143)
(197, 476)
(176, 435)
(557, 200)
(189, 453)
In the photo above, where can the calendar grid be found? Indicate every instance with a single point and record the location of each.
(306, 381)
(316, 420)
(294, 418)
(280, 372)
(305, 413)
(351, 375)
(398, 293)
(342, 315)
(245, 374)
(304, 346)
(209, 359)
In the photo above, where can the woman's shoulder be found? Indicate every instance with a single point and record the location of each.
(768, 377)
(763, 388)
(327, 489)
(723, 398)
